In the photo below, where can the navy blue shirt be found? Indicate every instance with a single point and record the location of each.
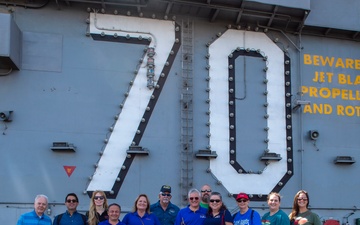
(106, 222)
(166, 217)
(67, 219)
(220, 219)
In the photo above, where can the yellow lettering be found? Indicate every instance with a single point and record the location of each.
(335, 92)
(307, 109)
(340, 110)
(357, 64)
(304, 89)
(324, 92)
(351, 96)
(341, 78)
(319, 60)
(316, 60)
(318, 108)
(357, 80)
(348, 110)
(329, 61)
(313, 92)
(339, 63)
(344, 94)
(349, 63)
(330, 75)
(307, 59)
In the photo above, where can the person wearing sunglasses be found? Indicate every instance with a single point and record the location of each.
(193, 214)
(275, 216)
(300, 213)
(217, 213)
(71, 216)
(98, 208)
(164, 209)
(140, 214)
(205, 196)
(246, 215)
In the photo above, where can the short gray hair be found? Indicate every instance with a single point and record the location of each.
(194, 190)
(42, 196)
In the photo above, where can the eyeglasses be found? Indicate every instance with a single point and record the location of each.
(194, 198)
(302, 199)
(99, 198)
(168, 195)
(71, 200)
(242, 200)
(206, 190)
(215, 200)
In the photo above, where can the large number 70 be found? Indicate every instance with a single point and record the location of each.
(164, 38)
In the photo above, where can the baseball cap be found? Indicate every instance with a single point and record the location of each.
(242, 195)
(165, 188)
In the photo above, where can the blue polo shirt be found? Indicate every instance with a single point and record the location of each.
(106, 222)
(134, 219)
(188, 217)
(67, 219)
(31, 218)
(166, 217)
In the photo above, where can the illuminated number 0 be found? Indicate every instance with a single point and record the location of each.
(276, 173)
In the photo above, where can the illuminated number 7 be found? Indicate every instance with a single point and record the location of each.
(164, 39)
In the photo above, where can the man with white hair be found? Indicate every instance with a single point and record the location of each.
(193, 214)
(37, 216)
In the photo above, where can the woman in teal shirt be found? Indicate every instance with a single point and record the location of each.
(275, 216)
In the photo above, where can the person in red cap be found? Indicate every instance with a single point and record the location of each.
(245, 216)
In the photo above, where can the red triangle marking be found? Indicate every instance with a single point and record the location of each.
(69, 170)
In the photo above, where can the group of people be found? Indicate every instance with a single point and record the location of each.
(205, 208)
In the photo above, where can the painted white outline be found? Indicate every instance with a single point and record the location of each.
(162, 35)
(219, 51)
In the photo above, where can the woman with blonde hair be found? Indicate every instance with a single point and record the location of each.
(98, 208)
(141, 213)
(300, 213)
